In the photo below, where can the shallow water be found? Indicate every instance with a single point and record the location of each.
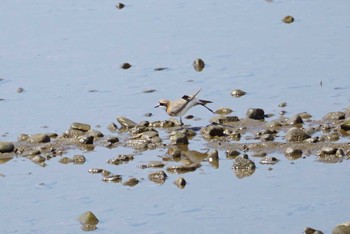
(60, 52)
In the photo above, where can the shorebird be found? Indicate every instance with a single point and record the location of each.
(179, 107)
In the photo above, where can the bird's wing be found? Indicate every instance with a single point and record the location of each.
(190, 97)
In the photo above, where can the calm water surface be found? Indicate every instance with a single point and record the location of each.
(67, 55)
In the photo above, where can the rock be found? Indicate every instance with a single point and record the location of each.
(163, 124)
(23, 137)
(65, 160)
(232, 154)
(153, 164)
(125, 66)
(112, 178)
(20, 90)
(343, 228)
(238, 93)
(86, 140)
(213, 158)
(131, 182)
(309, 230)
(296, 119)
(296, 135)
(126, 123)
(243, 166)
(88, 221)
(179, 138)
(158, 177)
(121, 158)
(180, 169)
(38, 159)
(288, 19)
(6, 147)
(39, 138)
(345, 125)
(213, 131)
(328, 150)
(80, 126)
(112, 127)
(332, 116)
(269, 160)
(95, 133)
(119, 6)
(224, 119)
(180, 182)
(198, 64)
(283, 104)
(78, 159)
(305, 115)
(255, 113)
(293, 154)
(223, 111)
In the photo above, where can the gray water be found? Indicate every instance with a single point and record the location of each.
(61, 51)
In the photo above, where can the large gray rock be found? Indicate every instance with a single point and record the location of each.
(6, 147)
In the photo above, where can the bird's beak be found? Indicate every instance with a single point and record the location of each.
(157, 106)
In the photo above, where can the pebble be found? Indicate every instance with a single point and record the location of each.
(309, 230)
(288, 19)
(243, 166)
(20, 90)
(88, 220)
(79, 159)
(255, 113)
(179, 138)
(345, 125)
(293, 154)
(126, 123)
(238, 93)
(119, 6)
(343, 228)
(6, 147)
(232, 154)
(180, 169)
(223, 111)
(38, 159)
(131, 182)
(296, 119)
(269, 160)
(112, 178)
(80, 126)
(39, 138)
(213, 131)
(283, 104)
(158, 177)
(224, 119)
(198, 64)
(180, 182)
(125, 66)
(86, 140)
(339, 115)
(296, 135)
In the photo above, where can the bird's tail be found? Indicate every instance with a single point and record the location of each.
(204, 102)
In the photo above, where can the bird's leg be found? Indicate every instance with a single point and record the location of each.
(181, 123)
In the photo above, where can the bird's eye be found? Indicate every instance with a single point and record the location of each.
(162, 104)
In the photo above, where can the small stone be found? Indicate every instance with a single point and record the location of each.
(224, 119)
(38, 159)
(131, 182)
(243, 166)
(39, 138)
(345, 125)
(23, 137)
(328, 150)
(179, 138)
(180, 169)
(305, 115)
(269, 160)
(112, 178)
(293, 154)
(213, 131)
(309, 230)
(88, 220)
(296, 119)
(232, 154)
(119, 6)
(65, 160)
(255, 113)
(213, 158)
(198, 64)
(283, 104)
(78, 159)
(158, 177)
(95, 170)
(20, 90)
(334, 116)
(126, 123)
(238, 93)
(80, 126)
(180, 182)
(125, 66)
(149, 91)
(343, 228)
(6, 147)
(296, 135)
(161, 68)
(288, 19)
(148, 114)
(223, 111)
(86, 140)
